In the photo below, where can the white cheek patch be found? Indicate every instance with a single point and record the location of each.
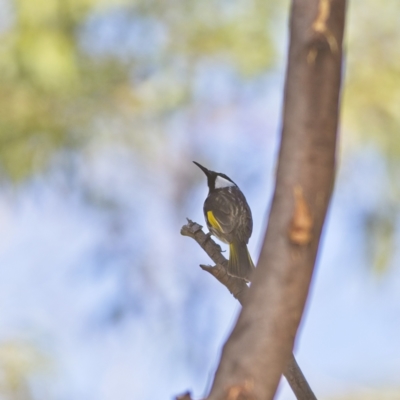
(221, 182)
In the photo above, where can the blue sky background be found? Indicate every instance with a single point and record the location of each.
(101, 297)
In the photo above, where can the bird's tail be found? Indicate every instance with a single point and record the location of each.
(240, 263)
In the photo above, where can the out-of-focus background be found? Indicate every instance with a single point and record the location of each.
(103, 106)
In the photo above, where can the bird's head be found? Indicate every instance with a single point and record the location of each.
(216, 180)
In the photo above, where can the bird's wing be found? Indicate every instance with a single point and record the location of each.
(221, 212)
(227, 212)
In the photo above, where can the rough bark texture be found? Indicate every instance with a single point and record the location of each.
(261, 343)
(239, 288)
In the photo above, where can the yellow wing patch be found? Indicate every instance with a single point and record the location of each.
(213, 222)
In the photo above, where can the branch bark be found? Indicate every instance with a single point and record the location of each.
(239, 289)
(262, 341)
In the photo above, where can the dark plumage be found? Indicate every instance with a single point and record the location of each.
(228, 217)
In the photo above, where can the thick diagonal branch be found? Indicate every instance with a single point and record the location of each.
(262, 340)
(239, 289)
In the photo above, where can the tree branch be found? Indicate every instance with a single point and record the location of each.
(239, 289)
(236, 286)
(262, 341)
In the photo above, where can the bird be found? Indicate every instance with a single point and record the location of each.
(228, 217)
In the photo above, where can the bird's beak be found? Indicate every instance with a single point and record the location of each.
(204, 169)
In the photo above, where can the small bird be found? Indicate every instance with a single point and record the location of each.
(228, 217)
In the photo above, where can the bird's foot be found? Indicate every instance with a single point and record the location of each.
(208, 234)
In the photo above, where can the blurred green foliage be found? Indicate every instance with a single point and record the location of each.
(52, 90)
(58, 80)
(371, 104)
(371, 111)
